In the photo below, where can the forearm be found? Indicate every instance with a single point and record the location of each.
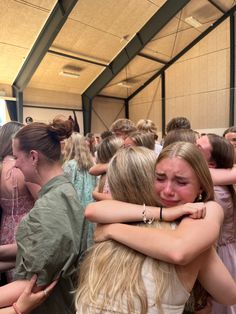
(157, 243)
(8, 252)
(11, 292)
(179, 246)
(8, 310)
(98, 169)
(112, 211)
(4, 266)
(223, 176)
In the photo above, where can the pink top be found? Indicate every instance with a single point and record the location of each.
(15, 200)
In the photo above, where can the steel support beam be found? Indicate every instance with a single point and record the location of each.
(126, 109)
(45, 39)
(232, 71)
(19, 103)
(152, 58)
(87, 113)
(66, 55)
(137, 43)
(163, 103)
(186, 49)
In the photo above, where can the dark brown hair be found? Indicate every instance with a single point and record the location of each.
(44, 137)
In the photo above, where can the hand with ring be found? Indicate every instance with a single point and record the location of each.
(29, 299)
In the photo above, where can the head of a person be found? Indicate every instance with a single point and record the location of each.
(108, 147)
(146, 125)
(219, 153)
(230, 135)
(38, 144)
(105, 134)
(131, 175)
(180, 135)
(182, 175)
(140, 139)
(178, 123)
(7, 131)
(76, 148)
(122, 127)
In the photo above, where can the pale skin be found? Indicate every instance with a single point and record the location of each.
(174, 246)
(8, 252)
(177, 184)
(29, 299)
(38, 170)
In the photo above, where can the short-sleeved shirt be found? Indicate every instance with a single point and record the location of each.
(50, 240)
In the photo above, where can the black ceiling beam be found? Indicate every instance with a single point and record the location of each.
(65, 55)
(45, 39)
(182, 52)
(137, 43)
(144, 55)
(217, 6)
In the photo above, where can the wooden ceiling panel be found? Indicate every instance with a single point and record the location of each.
(120, 18)
(225, 4)
(86, 42)
(20, 23)
(101, 38)
(11, 61)
(202, 10)
(135, 74)
(122, 91)
(48, 77)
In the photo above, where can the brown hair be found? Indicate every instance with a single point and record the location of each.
(178, 123)
(44, 138)
(180, 135)
(143, 139)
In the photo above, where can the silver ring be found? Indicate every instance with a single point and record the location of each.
(45, 293)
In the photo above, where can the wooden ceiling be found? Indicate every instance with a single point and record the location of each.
(94, 34)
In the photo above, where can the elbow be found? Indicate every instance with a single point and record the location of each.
(179, 256)
(90, 212)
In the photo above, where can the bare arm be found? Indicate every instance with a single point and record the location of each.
(98, 169)
(112, 211)
(179, 246)
(11, 292)
(216, 279)
(29, 300)
(4, 266)
(8, 252)
(223, 176)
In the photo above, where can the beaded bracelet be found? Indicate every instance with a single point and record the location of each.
(16, 309)
(144, 215)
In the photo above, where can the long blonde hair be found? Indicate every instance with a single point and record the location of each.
(77, 148)
(112, 272)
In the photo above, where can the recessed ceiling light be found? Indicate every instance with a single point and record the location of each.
(69, 74)
(125, 84)
(193, 22)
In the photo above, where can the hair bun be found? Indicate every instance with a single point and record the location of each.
(60, 129)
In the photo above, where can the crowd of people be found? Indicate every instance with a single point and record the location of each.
(117, 223)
